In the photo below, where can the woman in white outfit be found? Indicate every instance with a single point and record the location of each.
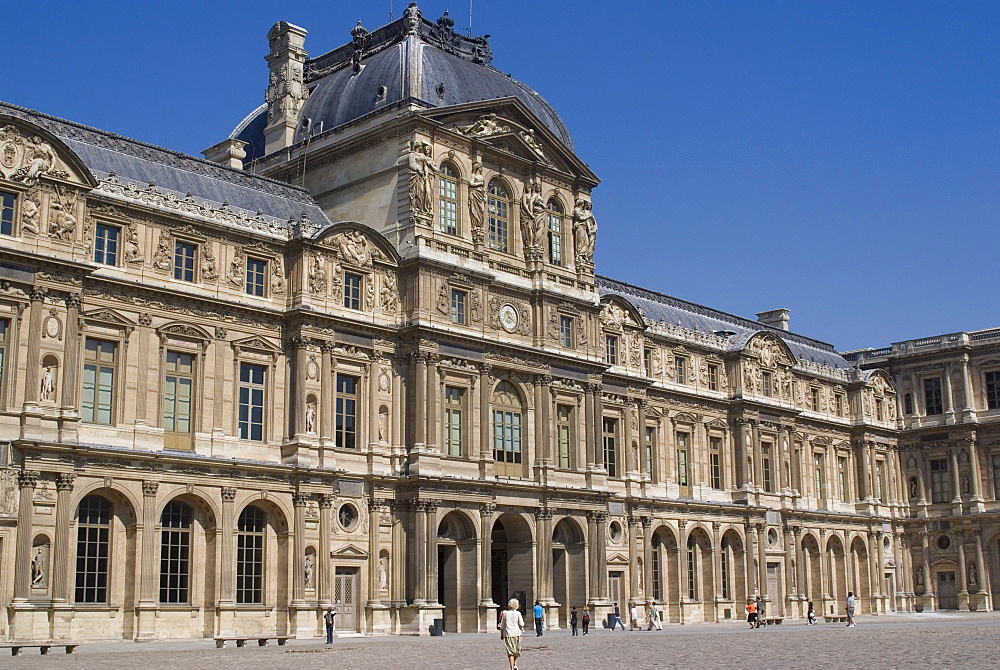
(511, 627)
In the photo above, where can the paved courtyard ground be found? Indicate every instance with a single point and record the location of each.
(947, 640)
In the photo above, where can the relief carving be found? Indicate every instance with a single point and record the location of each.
(163, 258)
(422, 170)
(533, 223)
(208, 271)
(25, 160)
(389, 293)
(484, 126)
(317, 274)
(62, 221)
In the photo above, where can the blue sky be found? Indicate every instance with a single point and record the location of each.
(840, 159)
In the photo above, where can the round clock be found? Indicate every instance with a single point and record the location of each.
(508, 318)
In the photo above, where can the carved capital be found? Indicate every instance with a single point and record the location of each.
(326, 500)
(298, 342)
(74, 300)
(597, 517)
(65, 481)
(487, 509)
(38, 293)
(300, 499)
(228, 494)
(28, 478)
(647, 521)
(376, 505)
(149, 487)
(543, 514)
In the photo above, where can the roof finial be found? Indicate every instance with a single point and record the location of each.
(358, 32)
(446, 21)
(411, 20)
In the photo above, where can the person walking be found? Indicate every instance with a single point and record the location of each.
(850, 609)
(539, 612)
(585, 619)
(633, 618)
(654, 617)
(811, 614)
(616, 618)
(330, 619)
(511, 628)
(752, 614)
(573, 620)
(760, 611)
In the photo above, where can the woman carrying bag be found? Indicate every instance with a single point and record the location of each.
(511, 627)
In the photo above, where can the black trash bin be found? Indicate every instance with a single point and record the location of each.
(437, 629)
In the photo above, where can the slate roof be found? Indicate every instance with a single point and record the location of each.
(103, 153)
(691, 316)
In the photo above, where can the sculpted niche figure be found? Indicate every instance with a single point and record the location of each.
(584, 230)
(532, 217)
(421, 178)
(477, 201)
(48, 389)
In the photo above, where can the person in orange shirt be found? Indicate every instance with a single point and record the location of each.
(752, 613)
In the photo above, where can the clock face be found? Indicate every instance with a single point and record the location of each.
(508, 318)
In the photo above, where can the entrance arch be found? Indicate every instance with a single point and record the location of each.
(512, 561)
(456, 572)
(569, 568)
(732, 569)
(838, 571)
(860, 581)
(665, 586)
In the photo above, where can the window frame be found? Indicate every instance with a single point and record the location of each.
(253, 539)
(566, 331)
(118, 349)
(609, 443)
(346, 404)
(713, 376)
(454, 413)
(352, 284)
(680, 369)
(89, 535)
(193, 376)
(940, 480)
(766, 383)
(449, 176)
(9, 207)
(255, 280)
(716, 473)
(176, 550)
(682, 440)
(244, 427)
(101, 251)
(179, 269)
(991, 389)
(498, 210)
(611, 349)
(459, 298)
(564, 435)
(933, 396)
(766, 473)
(554, 216)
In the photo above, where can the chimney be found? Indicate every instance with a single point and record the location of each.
(776, 318)
(286, 89)
(228, 152)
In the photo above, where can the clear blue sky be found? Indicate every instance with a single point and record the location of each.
(840, 159)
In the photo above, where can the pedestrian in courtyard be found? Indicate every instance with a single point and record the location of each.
(760, 611)
(752, 614)
(633, 618)
(811, 614)
(511, 629)
(616, 618)
(573, 620)
(539, 613)
(850, 609)
(585, 619)
(330, 619)
(654, 617)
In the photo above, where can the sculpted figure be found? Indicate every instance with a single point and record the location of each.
(132, 253)
(61, 222)
(584, 230)
(422, 172)
(973, 573)
(354, 248)
(317, 275)
(532, 216)
(38, 565)
(477, 199)
(42, 158)
(308, 569)
(383, 576)
(310, 418)
(29, 216)
(484, 126)
(48, 384)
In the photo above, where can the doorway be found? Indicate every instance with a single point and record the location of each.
(947, 596)
(345, 589)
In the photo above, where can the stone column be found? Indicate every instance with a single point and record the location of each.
(543, 429)
(633, 556)
(963, 586)
(968, 392)
(28, 480)
(63, 541)
(956, 478)
(420, 401)
(148, 586)
(874, 568)
(864, 476)
(328, 392)
(431, 406)
(716, 563)
(485, 424)
(926, 562)
(374, 591)
(299, 502)
(590, 432)
(918, 396)
(431, 567)
(800, 564)
(644, 472)
(397, 587)
(543, 555)
(975, 475)
(823, 567)
(227, 561)
(949, 402)
(297, 396)
(486, 511)
(418, 552)
(758, 475)
(761, 531)
(751, 551)
(32, 361)
(597, 528)
(324, 569)
(983, 574)
(791, 574)
(682, 571)
(647, 558)
(598, 425)
(71, 355)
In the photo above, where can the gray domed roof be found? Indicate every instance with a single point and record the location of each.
(407, 61)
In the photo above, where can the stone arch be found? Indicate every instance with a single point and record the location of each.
(813, 570)
(512, 559)
(203, 547)
(732, 566)
(699, 571)
(859, 573)
(664, 581)
(276, 571)
(837, 567)
(569, 566)
(457, 570)
(509, 406)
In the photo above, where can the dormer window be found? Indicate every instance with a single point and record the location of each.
(554, 215)
(448, 199)
(184, 258)
(498, 209)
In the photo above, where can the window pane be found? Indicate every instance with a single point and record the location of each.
(6, 213)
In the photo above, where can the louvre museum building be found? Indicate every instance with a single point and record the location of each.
(359, 354)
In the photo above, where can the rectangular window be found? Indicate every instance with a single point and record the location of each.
(940, 484)
(346, 412)
(647, 361)
(99, 368)
(453, 398)
(692, 572)
(352, 291)
(457, 306)
(251, 401)
(765, 465)
(610, 446)
(7, 201)
(814, 399)
(655, 559)
(879, 410)
(448, 203)
(611, 349)
(932, 396)
(819, 480)
(713, 377)
(256, 271)
(842, 478)
(680, 365)
(650, 451)
(996, 477)
(175, 553)
(566, 331)
(839, 400)
(93, 539)
(178, 400)
(184, 255)
(507, 437)
(106, 244)
(555, 238)
(564, 434)
(766, 381)
(724, 565)
(3, 347)
(993, 390)
(880, 481)
(682, 459)
(715, 455)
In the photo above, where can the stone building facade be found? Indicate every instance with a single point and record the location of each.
(361, 356)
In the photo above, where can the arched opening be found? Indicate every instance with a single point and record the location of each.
(813, 570)
(837, 572)
(860, 580)
(456, 566)
(48, 390)
(554, 217)
(665, 585)
(700, 588)
(569, 568)
(512, 561)
(448, 198)
(732, 573)
(262, 567)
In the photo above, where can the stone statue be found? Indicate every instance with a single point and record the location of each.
(532, 217)
(389, 293)
(973, 574)
(919, 578)
(913, 487)
(208, 272)
(966, 485)
(381, 426)
(354, 248)
(29, 216)
(62, 223)
(48, 389)
(310, 418)
(477, 202)
(529, 138)
(383, 576)
(584, 231)
(43, 159)
(317, 275)
(39, 566)
(484, 126)
(308, 569)
(132, 253)
(422, 173)
(8, 501)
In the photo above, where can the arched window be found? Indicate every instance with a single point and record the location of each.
(448, 199)
(555, 218)
(250, 557)
(498, 208)
(175, 553)
(507, 429)
(93, 539)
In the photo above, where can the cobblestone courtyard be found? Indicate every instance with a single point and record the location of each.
(918, 641)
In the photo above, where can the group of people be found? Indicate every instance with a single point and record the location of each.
(755, 611)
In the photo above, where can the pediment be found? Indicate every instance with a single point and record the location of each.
(717, 423)
(356, 245)
(348, 551)
(685, 417)
(184, 330)
(617, 313)
(109, 317)
(29, 154)
(256, 344)
(770, 350)
(618, 558)
(944, 563)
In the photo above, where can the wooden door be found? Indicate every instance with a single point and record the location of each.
(345, 593)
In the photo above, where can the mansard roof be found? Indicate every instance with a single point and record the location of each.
(738, 331)
(130, 160)
(408, 61)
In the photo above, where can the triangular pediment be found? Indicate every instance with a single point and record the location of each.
(184, 330)
(256, 344)
(109, 317)
(29, 154)
(348, 551)
(944, 563)
(509, 126)
(618, 558)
